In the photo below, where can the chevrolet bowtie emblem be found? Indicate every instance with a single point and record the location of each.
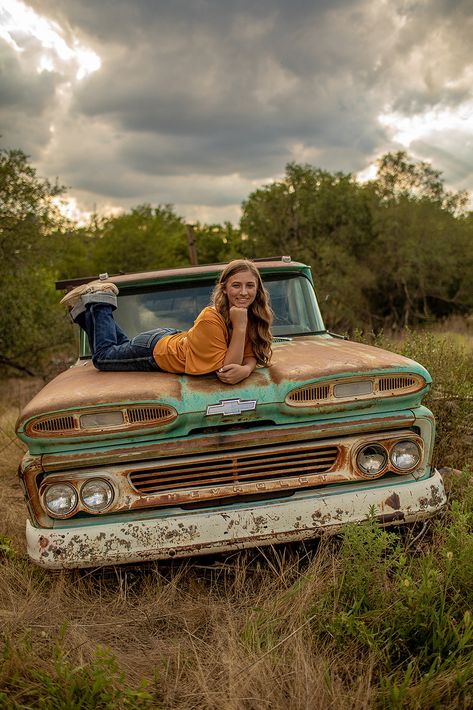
(231, 406)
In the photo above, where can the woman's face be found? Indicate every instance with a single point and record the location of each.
(241, 289)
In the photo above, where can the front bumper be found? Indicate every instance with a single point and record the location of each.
(183, 533)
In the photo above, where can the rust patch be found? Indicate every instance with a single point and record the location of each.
(231, 439)
(84, 386)
(314, 357)
(398, 516)
(393, 501)
(179, 274)
(320, 519)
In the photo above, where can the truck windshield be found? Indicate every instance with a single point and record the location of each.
(177, 305)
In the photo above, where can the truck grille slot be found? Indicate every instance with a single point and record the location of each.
(311, 393)
(274, 463)
(55, 424)
(158, 413)
(395, 382)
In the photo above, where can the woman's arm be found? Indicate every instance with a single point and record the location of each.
(235, 366)
(236, 347)
(232, 374)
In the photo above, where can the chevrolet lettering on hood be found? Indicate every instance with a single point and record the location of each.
(130, 466)
(228, 407)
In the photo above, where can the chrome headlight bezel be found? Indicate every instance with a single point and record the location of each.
(377, 450)
(78, 488)
(109, 497)
(67, 488)
(416, 460)
(387, 447)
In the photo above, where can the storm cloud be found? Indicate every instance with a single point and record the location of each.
(197, 103)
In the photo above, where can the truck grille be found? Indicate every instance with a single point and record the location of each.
(131, 417)
(323, 393)
(235, 467)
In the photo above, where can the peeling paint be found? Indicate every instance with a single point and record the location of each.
(201, 532)
(436, 495)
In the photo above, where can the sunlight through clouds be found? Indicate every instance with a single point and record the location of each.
(70, 209)
(407, 129)
(19, 23)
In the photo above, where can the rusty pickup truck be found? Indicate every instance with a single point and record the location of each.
(127, 467)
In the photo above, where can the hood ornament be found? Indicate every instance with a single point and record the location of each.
(227, 407)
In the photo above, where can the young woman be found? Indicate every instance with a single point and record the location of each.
(229, 337)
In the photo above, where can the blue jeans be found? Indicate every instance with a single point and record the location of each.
(111, 348)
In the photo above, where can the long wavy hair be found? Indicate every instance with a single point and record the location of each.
(260, 315)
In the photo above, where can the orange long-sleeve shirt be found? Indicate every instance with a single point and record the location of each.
(199, 350)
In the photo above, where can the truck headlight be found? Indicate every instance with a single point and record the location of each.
(372, 459)
(60, 499)
(405, 455)
(96, 494)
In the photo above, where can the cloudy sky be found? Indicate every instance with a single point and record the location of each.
(199, 102)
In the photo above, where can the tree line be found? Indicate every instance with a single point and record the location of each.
(392, 252)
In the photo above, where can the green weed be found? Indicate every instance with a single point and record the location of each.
(6, 548)
(63, 685)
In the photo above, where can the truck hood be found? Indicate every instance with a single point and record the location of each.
(296, 362)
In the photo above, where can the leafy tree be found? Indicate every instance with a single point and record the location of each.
(30, 323)
(143, 239)
(399, 177)
(216, 243)
(73, 251)
(424, 260)
(325, 220)
(392, 252)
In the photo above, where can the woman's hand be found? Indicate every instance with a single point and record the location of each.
(232, 374)
(238, 317)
